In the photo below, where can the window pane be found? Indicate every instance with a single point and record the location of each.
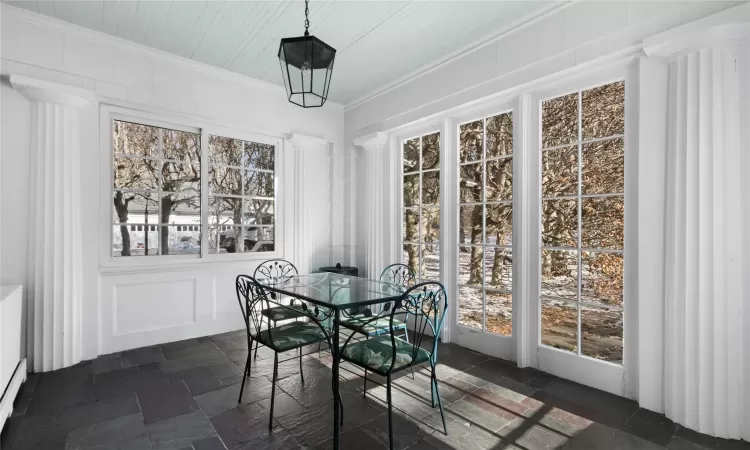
(259, 212)
(411, 225)
(500, 179)
(411, 155)
(225, 210)
(560, 274)
(601, 334)
(181, 177)
(431, 151)
(135, 207)
(431, 188)
(259, 239)
(603, 222)
(259, 184)
(471, 183)
(225, 181)
(560, 172)
(601, 278)
(470, 224)
(560, 325)
(500, 135)
(411, 256)
(411, 190)
(470, 307)
(259, 156)
(603, 169)
(560, 223)
(135, 240)
(182, 240)
(430, 224)
(181, 145)
(135, 139)
(560, 121)
(499, 223)
(471, 141)
(498, 269)
(180, 208)
(224, 151)
(470, 265)
(134, 173)
(223, 239)
(603, 111)
(430, 270)
(499, 313)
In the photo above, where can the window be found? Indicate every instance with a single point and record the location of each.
(157, 191)
(486, 224)
(582, 221)
(241, 196)
(421, 231)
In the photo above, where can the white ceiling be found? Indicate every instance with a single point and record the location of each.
(378, 42)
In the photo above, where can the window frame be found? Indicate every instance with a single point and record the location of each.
(555, 90)
(109, 113)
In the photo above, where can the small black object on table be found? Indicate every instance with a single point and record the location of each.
(343, 270)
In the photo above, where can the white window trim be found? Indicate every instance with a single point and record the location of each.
(109, 263)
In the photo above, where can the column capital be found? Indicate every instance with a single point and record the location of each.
(372, 141)
(37, 90)
(300, 140)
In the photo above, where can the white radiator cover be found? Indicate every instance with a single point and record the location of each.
(12, 354)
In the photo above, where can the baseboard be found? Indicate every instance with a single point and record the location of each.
(9, 396)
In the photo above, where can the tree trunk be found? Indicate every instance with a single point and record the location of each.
(497, 264)
(121, 208)
(475, 276)
(166, 211)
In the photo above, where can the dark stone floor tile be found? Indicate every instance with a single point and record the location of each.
(220, 400)
(209, 356)
(242, 424)
(678, 443)
(209, 443)
(279, 439)
(226, 372)
(489, 415)
(413, 401)
(405, 431)
(239, 357)
(204, 339)
(178, 349)
(127, 431)
(626, 441)
(459, 358)
(166, 402)
(651, 426)
(68, 395)
(140, 356)
(493, 369)
(609, 409)
(264, 367)
(232, 343)
(229, 334)
(199, 380)
(132, 379)
(46, 442)
(10, 431)
(525, 434)
(462, 435)
(595, 436)
(106, 363)
(355, 438)
(710, 441)
(283, 404)
(181, 431)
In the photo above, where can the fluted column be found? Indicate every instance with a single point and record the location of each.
(374, 190)
(704, 264)
(54, 272)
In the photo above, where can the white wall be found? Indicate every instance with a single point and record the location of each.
(129, 307)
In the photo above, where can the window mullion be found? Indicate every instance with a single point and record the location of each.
(204, 194)
(484, 224)
(580, 216)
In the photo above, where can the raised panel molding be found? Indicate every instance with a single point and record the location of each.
(140, 307)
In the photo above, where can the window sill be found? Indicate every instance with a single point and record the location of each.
(146, 264)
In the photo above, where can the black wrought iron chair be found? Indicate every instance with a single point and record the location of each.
(400, 274)
(387, 354)
(278, 268)
(253, 300)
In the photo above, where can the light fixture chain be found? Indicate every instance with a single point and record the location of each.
(307, 21)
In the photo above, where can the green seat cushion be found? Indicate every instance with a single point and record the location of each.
(376, 354)
(279, 313)
(292, 335)
(377, 326)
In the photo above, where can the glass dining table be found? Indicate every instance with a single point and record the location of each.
(325, 296)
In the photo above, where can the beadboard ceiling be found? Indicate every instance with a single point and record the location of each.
(379, 42)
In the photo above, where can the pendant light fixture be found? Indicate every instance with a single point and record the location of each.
(306, 67)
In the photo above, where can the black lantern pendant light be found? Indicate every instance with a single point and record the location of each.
(306, 66)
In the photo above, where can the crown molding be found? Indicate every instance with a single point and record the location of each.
(38, 90)
(14, 12)
(374, 140)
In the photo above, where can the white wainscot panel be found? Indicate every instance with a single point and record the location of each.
(140, 307)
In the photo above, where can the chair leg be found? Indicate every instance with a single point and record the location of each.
(256, 349)
(245, 374)
(364, 388)
(301, 373)
(273, 387)
(440, 403)
(390, 414)
(249, 363)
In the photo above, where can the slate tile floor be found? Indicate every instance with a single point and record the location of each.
(183, 395)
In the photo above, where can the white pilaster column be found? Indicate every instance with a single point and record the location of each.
(308, 196)
(705, 268)
(54, 272)
(374, 191)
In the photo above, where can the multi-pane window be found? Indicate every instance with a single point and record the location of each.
(241, 196)
(157, 193)
(485, 273)
(156, 196)
(582, 221)
(421, 232)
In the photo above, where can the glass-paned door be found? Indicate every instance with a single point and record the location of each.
(583, 222)
(485, 252)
